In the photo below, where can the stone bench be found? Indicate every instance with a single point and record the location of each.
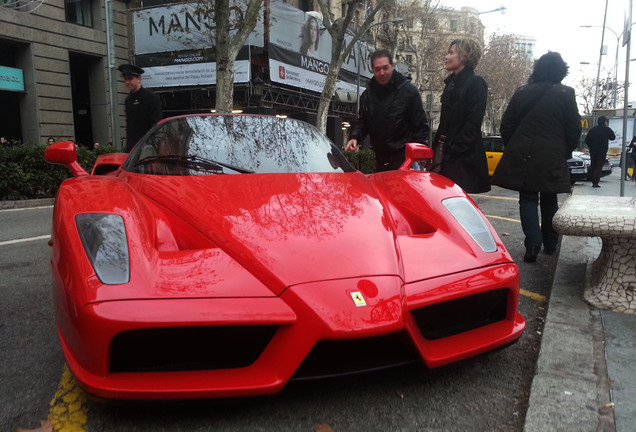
(611, 281)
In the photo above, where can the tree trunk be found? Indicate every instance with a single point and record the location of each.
(339, 50)
(327, 93)
(227, 47)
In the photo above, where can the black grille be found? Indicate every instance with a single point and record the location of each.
(460, 315)
(189, 348)
(331, 358)
(575, 163)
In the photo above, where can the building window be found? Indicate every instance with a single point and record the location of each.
(306, 5)
(79, 12)
(453, 25)
(409, 59)
(151, 3)
(409, 23)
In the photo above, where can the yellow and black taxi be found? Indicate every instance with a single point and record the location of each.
(493, 144)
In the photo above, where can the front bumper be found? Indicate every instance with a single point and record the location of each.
(265, 342)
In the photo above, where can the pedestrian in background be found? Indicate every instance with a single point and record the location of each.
(391, 114)
(459, 152)
(143, 107)
(4, 142)
(540, 128)
(597, 140)
(631, 150)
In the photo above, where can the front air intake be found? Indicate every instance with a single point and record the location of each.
(463, 314)
(174, 349)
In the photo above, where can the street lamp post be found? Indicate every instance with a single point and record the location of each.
(112, 75)
(626, 34)
(627, 40)
(598, 73)
(501, 9)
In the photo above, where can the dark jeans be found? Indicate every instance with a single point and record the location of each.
(528, 209)
(596, 165)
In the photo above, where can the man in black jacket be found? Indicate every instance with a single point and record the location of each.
(391, 113)
(143, 107)
(597, 141)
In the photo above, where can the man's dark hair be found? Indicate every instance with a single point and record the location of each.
(549, 67)
(379, 54)
(602, 121)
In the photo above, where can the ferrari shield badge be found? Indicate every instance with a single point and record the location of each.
(358, 299)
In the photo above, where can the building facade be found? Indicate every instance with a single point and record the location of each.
(64, 55)
(58, 52)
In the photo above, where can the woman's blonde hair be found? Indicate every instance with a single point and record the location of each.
(469, 51)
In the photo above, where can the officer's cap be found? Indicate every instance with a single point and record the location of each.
(128, 70)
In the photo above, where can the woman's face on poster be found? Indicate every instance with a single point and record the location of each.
(313, 30)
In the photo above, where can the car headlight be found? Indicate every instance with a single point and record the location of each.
(104, 239)
(471, 220)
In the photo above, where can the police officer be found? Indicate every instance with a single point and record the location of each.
(143, 107)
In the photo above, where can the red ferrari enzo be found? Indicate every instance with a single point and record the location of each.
(229, 254)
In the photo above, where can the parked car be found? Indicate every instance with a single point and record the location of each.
(585, 157)
(228, 254)
(493, 144)
(494, 149)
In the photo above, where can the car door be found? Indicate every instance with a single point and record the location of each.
(494, 150)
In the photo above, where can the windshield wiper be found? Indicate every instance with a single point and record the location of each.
(194, 161)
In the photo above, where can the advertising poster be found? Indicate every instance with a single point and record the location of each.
(615, 147)
(300, 52)
(173, 45)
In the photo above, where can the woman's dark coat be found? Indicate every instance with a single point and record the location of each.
(540, 128)
(463, 107)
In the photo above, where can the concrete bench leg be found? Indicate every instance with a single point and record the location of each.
(612, 277)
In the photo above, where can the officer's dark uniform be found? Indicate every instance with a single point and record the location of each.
(143, 108)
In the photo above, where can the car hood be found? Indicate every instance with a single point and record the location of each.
(255, 235)
(287, 229)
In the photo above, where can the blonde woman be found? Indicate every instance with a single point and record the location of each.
(458, 139)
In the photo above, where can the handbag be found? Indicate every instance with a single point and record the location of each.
(436, 164)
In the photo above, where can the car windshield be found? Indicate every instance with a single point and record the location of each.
(234, 144)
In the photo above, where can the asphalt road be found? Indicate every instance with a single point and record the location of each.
(489, 393)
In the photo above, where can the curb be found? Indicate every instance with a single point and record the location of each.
(570, 390)
(41, 202)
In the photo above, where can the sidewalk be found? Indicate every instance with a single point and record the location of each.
(585, 378)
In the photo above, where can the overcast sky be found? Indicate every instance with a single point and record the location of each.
(556, 25)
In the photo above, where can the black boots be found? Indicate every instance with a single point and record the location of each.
(531, 254)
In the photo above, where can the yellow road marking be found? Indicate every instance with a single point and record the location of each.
(497, 197)
(533, 296)
(68, 411)
(503, 218)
